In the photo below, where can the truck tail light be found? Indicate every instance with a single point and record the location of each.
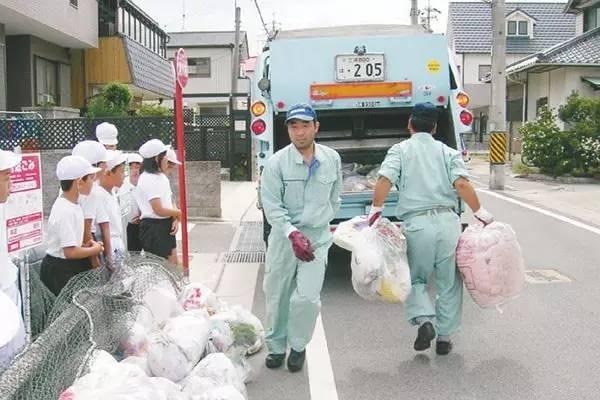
(463, 99)
(466, 118)
(258, 108)
(258, 127)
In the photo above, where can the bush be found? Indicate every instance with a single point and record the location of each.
(546, 147)
(113, 101)
(153, 110)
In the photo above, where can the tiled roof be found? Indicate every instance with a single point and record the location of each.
(471, 25)
(149, 71)
(581, 50)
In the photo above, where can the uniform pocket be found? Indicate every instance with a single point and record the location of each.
(293, 193)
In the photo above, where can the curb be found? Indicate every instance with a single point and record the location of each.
(567, 180)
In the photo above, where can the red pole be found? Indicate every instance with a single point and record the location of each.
(182, 187)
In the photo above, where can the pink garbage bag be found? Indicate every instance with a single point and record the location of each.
(490, 261)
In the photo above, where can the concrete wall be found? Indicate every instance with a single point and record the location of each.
(2, 68)
(202, 179)
(220, 70)
(54, 20)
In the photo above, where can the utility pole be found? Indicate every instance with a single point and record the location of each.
(497, 118)
(414, 12)
(235, 68)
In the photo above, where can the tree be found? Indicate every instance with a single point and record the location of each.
(113, 101)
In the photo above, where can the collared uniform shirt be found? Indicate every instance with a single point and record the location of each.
(424, 170)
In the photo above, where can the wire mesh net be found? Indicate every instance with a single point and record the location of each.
(93, 312)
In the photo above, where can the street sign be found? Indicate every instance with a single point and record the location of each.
(181, 67)
(24, 208)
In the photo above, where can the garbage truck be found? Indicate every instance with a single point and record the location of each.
(363, 81)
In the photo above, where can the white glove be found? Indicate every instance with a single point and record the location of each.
(374, 215)
(484, 216)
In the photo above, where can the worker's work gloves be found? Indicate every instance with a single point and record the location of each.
(484, 216)
(302, 247)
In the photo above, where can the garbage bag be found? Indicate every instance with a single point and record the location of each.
(355, 183)
(220, 369)
(166, 359)
(171, 390)
(189, 332)
(220, 337)
(198, 296)
(223, 393)
(491, 263)
(198, 385)
(162, 303)
(135, 342)
(379, 263)
(247, 330)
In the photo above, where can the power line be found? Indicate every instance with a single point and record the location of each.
(262, 20)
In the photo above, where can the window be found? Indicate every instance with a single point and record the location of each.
(74, 3)
(512, 28)
(46, 82)
(523, 28)
(199, 67)
(485, 72)
(591, 18)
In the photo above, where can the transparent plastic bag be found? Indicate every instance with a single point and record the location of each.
(221, 370)
(491, 263)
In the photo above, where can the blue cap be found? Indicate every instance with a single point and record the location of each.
(302, 112)
(425, 112)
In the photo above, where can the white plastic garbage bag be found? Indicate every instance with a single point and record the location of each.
(198, 296)
(220, 338)
(171, 390)
(220, 368)
(189, 332)
(166, 359)
(198, 385)
(223, 393)
(248, 332)
(162, 303)
(136, 341)
(491, 263)
(379, 263)
(140, 362)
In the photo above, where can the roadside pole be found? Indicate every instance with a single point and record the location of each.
(497, 120)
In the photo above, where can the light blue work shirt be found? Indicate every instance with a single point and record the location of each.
(296, 195)
(424, 170)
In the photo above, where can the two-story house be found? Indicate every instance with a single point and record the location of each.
(530, 28)
(210, 67)
(61, 52)
(548, 77)
(35, 38)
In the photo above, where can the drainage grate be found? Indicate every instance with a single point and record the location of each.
(251, 237)
(543, 276)
(245, 257)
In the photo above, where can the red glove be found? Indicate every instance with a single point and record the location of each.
(301, 246)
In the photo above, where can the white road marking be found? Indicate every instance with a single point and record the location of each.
(178, 235)
(320, 372)
(559, 217)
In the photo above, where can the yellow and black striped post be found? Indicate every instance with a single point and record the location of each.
(498, 148)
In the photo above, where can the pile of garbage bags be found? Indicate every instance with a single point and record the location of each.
(380, 269)
(491, 263)
(358, 177)
(182, 346)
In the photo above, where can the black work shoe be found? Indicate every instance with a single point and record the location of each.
(295, 361)
(274, 360)
(443, 348)
(425, 336)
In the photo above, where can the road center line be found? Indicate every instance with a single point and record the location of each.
(320, 372)
(559, 217)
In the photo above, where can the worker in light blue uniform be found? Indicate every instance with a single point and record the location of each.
(431, 177)
(300, 193)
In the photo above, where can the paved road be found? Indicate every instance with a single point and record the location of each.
(544, 346)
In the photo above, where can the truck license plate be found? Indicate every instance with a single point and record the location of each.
(354, 68)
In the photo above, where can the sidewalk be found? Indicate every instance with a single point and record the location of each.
(578, 201)
(226, 253)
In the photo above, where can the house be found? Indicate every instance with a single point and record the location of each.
(60, 53)
(35, 38)
(530, 28)
(210, 59)
(550, 76)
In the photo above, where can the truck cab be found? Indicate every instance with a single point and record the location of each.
(363, 81)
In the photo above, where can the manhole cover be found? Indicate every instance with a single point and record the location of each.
(245, 257)
(545, 276)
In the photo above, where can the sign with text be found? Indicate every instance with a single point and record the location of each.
(24, 208)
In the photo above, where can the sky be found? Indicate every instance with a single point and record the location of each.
(207, 15)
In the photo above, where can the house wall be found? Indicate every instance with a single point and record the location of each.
(220, 70)
(579, 24)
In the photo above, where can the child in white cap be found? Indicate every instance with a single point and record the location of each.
(12, 330)
(97, 155)
(159, 217)
(111, 234)
(107, 133)
(67, 255)
(129, 207)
